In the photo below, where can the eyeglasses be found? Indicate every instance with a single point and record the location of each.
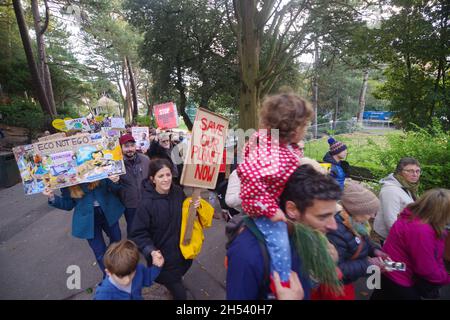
(411, 171)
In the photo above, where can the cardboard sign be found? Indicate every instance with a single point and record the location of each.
(52, 136)
(77, 124)
(110, 131)
(140, 134)
(205, 152)
(69, 161)
(166, 115)
(118, 123)
(59, 124)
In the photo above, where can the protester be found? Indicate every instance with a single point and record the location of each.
(128, 128)
(157, 226)
(97, 210)
(352, 241)
(417, 239)
(162, 149)
(268, 163)
(232, 198)
(301, 148)
(152, 135)
(136, 166)
(398, 190)
(336, 155)
(309, 202)
(125, 275)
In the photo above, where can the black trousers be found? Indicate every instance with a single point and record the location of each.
(172, 280)
(392, 291)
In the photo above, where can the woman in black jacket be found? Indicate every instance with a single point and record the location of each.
(351, 239)
(157, 226)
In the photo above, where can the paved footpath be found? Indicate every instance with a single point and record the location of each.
(36, 248)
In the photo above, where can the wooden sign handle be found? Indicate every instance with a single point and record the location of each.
(191, 216)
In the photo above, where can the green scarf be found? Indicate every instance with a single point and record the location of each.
(312, 248)
(357, 228)
(410, 186)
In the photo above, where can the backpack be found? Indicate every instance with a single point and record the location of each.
(233, 228)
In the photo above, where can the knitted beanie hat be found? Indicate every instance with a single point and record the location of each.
(358, 200)
(336, 147)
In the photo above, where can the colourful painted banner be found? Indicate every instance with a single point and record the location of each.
(69, 161)
(77, 124)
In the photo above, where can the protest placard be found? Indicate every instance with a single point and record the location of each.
(52, 136)
(140, 134)
(166, 115)
(68, 161)
(77, 124)
(204, 156)
(118, 123)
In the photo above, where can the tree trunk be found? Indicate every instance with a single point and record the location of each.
(249, 46)
(315, 85)
(119, 87)
(128, 115)
(182, 93)
(133, 88)
(362, 96)
(204, 100)
(37, 81)
(44, 71)
(148, 101)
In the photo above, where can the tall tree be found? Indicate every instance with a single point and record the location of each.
(44, 71)
(286, 29)
(413, 44)
(188, 48)
(37, 81)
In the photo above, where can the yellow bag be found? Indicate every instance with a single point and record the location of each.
(203, 220)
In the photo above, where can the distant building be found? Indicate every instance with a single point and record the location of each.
(107, 106)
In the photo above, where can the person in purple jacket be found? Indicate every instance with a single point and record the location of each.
(126, 276)
(417, 239)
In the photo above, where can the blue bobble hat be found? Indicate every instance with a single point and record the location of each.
(336, 147)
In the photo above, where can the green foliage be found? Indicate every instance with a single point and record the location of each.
(414, 43)
(430, 146)
(24, 113)
(189, 49)
(145, 121)
(380, 154)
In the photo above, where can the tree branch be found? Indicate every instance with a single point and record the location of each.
(47, 18)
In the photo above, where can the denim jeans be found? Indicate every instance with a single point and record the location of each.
(129, 215)
(98, 244)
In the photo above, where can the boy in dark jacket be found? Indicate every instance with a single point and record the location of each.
(125, 276)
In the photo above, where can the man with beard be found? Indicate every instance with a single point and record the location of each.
(137, 166)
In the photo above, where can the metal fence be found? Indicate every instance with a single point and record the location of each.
(346, 126)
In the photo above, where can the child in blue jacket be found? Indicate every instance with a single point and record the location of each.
(126, 276)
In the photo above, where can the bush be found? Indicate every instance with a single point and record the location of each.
(24, 113)
(145, 121)
(430, 146)
(380, 154)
